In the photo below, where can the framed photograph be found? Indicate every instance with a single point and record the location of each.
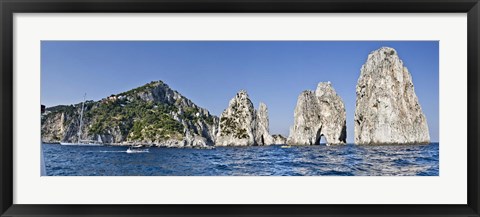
(239, 108)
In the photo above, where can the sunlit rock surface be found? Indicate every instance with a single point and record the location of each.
(317, 114)
(262, 134)
(387, 108)
(237, 122)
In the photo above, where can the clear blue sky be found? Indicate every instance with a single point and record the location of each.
(210, 73)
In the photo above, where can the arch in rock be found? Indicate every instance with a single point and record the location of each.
(319, 136)
(343, 135)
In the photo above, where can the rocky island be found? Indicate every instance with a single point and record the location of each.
(279, 139)
(387, 109)
(241, 125)
(151, 114)
(317, 114)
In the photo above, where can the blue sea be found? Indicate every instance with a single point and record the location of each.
(320, 160)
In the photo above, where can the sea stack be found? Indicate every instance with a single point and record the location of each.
(387, 109)
(237, 122)
(317, 114)
(262, 134)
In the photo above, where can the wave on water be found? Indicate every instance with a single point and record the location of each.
(106, 151)
(320, 160)
(112, 151)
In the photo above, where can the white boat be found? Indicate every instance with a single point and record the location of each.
(136, 149)
(81, 143)
(79, 134)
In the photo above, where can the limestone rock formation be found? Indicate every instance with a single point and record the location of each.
(237, 122)
(279, 139)
(262, 135)
(387, 108)
(317, 114)
(241, 125)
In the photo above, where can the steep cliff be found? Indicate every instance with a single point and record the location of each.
(242, 125)
(262, 134)
(317, 114)
(387, 108)
(237, 122)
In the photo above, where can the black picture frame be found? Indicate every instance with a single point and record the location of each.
(9, 7)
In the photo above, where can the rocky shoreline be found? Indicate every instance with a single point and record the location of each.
(387, 112)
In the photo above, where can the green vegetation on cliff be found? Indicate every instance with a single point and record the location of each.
(136, 119)
(152, 112)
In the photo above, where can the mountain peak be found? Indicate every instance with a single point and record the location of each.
(152, 113)
(383, 53)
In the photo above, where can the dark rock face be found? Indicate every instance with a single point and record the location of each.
(387, 108)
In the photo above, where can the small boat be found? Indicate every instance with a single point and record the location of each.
(83, 143)
(136, 149)
(285, 146)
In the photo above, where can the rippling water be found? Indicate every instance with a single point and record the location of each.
(348, 160)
